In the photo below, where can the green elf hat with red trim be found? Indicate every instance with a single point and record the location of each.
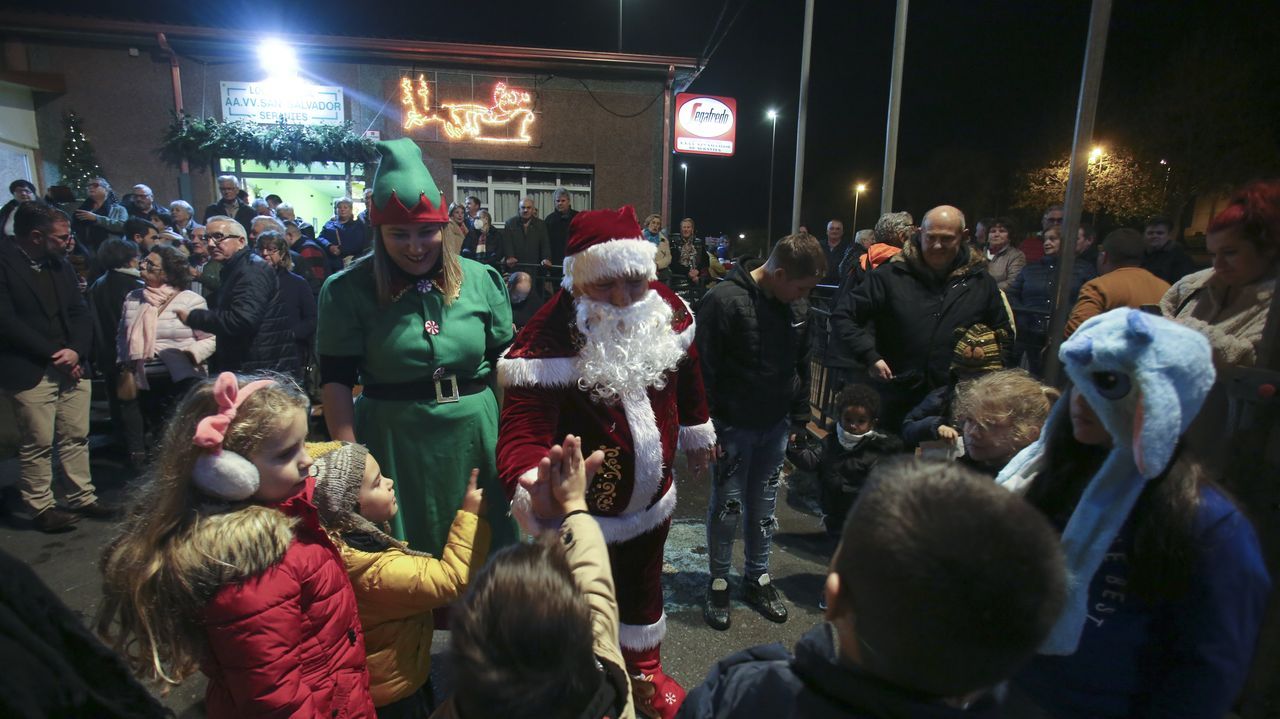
(403, 191)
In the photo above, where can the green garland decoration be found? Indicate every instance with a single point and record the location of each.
(200, 140)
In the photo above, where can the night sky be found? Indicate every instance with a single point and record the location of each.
(990, 87)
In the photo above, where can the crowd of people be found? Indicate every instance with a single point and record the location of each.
(999, 547)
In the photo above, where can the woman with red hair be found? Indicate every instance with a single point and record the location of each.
(1228, 302)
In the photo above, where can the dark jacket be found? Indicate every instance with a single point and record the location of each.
(492, 254)
(352, 236)
(755, 354)
(529, 246)
(558, 232)
(688, 255)
(300, 309)
(1170, 263)
(1032, 292)
(8, 209)
(55, 666)
(906, 315)
(249, 321)
(27, 331)
(922, 422)
(311, 263)
(842, 473)
(767, 681)
(106, 301)
(835, 255)
(243, 214)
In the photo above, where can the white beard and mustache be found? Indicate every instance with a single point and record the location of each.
(627, 349)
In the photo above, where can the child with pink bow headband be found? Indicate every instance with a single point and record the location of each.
(223, 566)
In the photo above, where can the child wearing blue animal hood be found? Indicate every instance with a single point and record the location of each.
(1170, 586)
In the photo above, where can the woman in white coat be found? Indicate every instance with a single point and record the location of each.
(164, 355)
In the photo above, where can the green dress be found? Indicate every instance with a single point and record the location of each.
(428, 449)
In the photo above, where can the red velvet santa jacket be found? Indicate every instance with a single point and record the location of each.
(634, 491)
(284, 641)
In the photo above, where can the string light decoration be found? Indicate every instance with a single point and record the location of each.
(79, 162)
(511, 108)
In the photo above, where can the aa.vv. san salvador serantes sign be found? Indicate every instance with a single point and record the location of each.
(294, 103)
(705, 125)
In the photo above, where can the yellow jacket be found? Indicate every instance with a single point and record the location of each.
(395, 593)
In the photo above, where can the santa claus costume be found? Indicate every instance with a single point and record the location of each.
(626, 379)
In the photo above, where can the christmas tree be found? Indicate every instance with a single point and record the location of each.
(79, 164)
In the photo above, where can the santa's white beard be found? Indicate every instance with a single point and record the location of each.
(628, 349)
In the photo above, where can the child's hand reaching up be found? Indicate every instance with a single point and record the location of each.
(561, 486)
(473, 500)
(947, 433)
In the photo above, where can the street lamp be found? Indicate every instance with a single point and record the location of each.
(684, 204)
(1096, 153)
(773, 118)
(742, 235)
(858, 189)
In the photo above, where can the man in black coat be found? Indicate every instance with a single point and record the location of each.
(900, 321)
(1165, 257)
(249, 321)
(45, 336)
(230, 205)
(558, 225)
(525, 240)
(119, 260)
(753, 343)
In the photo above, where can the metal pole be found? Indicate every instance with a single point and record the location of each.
(619, 25)
(768, 233)
(1094, 53)
(667, 131)
(856, 196)
(684, 203)
(895, 104)
(797, 182)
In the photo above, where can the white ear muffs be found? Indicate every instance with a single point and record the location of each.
(225, 475)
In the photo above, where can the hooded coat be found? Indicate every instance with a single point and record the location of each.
(282, 632)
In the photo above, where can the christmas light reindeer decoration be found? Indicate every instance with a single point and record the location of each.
(512, 108)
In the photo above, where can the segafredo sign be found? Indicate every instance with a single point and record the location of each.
(705, 125)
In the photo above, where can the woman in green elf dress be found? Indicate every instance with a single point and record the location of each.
(421, 329)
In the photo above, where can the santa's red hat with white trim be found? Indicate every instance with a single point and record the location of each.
(605, 244)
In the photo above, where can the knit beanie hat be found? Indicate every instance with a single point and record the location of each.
(978, 349)
(339, 472)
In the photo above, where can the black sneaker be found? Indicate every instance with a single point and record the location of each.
(54, 520)
(761, 594)
(715, 610)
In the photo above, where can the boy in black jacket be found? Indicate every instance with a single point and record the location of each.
(847, 455)
(943, 585)
(753, 341)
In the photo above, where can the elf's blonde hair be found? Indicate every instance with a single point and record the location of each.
(384, 267)
(155, 578)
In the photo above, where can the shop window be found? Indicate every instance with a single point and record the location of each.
(500, 187)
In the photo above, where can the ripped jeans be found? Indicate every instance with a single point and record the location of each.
(744, 491)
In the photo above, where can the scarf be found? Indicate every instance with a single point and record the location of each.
(849, 440)
(142, 333)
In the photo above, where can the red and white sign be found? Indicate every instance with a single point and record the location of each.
(706, 125)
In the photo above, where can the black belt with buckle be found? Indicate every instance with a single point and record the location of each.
(443, 388)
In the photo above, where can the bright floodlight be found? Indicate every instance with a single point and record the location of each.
(862, 187)
(742, 235)
(277, 58)
(683, 166)
(1096, 153)
(773, 114)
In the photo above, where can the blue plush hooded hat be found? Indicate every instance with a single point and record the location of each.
(1146, 378)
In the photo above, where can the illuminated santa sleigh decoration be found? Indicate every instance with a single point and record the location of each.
(507, 120)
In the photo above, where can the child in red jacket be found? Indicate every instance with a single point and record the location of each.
(222, 564)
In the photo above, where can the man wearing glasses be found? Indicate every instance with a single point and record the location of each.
(45, 334)
(230, 204)
(247, 317)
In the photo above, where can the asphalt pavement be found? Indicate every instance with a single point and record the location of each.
(68, 563)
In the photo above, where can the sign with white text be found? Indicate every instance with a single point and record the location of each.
(705, 124)
(293, 103)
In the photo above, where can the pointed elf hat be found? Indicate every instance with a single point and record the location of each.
(403, 191)
(605, 244)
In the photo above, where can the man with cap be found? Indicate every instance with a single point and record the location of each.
(610, 358)
(1124, 282)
